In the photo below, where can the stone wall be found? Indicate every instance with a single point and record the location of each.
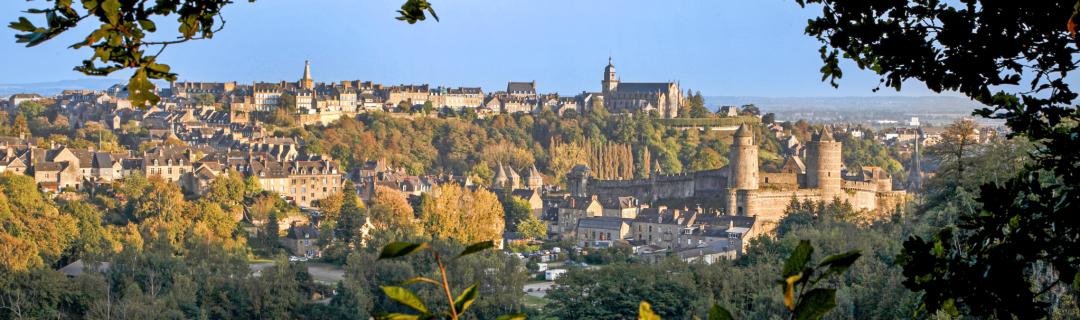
(772, 204)
(779, 180)
(708, 183)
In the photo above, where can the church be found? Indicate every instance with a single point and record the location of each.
(664, 98)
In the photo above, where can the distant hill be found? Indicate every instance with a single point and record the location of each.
(55, 87)
(927, 104)
(929, 109)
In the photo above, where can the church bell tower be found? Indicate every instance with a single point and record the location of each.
(610, 83)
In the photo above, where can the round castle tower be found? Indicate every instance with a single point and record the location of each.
(743, 160)
(823, 163)
(743, 173)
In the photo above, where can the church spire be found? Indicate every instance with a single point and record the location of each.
(307, 70)
(306, 82)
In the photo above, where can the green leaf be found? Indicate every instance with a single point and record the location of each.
(838, 263)
(112, 10)
(420, 279)
(399, 249)
(22, 25)
(89, 5)
(516, 316)
(397, 316)
(141, 90)
(477, 247)
(405, 297)
(798, 259)
(432, 12)
(645, 312)
(466, 299)
(148, 25)
(815, 304)
(719, 313)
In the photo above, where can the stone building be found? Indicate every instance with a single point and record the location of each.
(664, 98)
(601, 231)
(744, 190)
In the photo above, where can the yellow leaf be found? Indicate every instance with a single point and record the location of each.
(789, 291)
(645, 312)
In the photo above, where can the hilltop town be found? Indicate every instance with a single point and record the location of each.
(201, 131)
(640, 172)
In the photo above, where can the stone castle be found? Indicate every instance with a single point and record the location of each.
(744, 190)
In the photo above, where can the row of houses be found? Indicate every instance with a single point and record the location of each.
(652, 231)
(302, 179)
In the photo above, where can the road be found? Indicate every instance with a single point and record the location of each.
(320, 272)
(538, 289)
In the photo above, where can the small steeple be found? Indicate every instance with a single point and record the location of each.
(306, 82)
(307, 70)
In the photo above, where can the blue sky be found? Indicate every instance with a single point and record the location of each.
(727, 47)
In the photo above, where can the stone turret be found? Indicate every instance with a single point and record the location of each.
(823, 164)
(577, 180)
(533, 179)
(743, 160)
(743, 173)
(515, 179)
(500, 178)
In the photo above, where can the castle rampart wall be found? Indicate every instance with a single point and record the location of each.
(772, 204)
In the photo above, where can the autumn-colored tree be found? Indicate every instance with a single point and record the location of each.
(956, 145)
(391, 211)
(261, 206)
(611, 161)
(227, 189)
(455, 212)
(33, 233)
(330, 206)
(565, 156)
(214, 225)
(163, 213)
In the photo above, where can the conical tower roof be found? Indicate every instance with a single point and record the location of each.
(500, 175)
(744, 131)
(823, 135)
(307, 70)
